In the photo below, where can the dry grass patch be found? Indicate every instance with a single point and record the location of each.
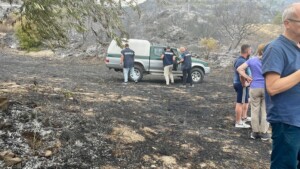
(109, 167)
(12, 87)
(126, 135)
(149, 132)
(6, 28)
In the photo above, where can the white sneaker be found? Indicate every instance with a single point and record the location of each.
(242, 125)
(246, 119)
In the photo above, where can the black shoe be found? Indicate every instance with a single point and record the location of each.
(254, 135)
(265, 136)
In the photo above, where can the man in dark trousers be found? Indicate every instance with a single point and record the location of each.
(168, 58)
(127, 61)
(186, 60)
(281, 68)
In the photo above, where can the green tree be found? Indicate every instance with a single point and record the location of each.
(54, 18)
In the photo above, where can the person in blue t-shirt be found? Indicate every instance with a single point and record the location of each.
(242, 90)
(281, 69)
(127, 61)
(168, 58)
(186, 60)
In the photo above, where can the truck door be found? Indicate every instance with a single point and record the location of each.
(155, 62)
(178, 58)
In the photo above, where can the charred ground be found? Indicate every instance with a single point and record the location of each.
(75, 113)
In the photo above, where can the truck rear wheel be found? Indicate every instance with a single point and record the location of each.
(197, 75)
(139, 71)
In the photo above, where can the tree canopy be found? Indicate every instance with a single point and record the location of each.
(51, 19)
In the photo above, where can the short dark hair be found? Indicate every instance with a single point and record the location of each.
(126, 45)
(244, 48)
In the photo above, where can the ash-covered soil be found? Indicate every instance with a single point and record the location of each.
(75, 113)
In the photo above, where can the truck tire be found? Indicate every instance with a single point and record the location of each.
(139, 71)
(197, 75)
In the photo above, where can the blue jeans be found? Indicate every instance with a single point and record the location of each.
(285, 146)
(126, 74)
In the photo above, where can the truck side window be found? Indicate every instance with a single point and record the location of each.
(158, 51)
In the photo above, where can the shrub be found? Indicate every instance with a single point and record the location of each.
(209, 45)
(28, 37)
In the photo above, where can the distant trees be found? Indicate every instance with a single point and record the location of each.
(53, 19)
(236, 20)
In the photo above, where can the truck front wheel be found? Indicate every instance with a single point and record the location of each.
(197, 75)
(139, 71)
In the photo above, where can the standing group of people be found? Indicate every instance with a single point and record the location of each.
(168, 59)
(249, 74)
(274, 91)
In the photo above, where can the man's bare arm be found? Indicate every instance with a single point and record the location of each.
(122, 59)
(242, 71)
(275, 84)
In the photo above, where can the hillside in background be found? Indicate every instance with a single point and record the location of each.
(176, 23)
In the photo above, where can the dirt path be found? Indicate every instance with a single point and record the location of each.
(88, 119)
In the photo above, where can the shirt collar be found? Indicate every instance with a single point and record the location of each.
(285, 39)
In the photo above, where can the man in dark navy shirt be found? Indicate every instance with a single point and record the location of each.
(186, 60)
(242, 90)
(127, 60)
(281, 68)
(168, 58)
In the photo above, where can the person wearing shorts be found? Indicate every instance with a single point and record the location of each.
(241, 87)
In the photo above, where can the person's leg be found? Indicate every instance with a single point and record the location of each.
(255, 109)
(245, 101)
(125, 73)
(171, 73)
(245, 110)
(239, 107)
(166, 74)
(190, 77)
(298, 160)
(133, 74)
(264, 124)
(184, 72)
(285, 146)
(238, 113)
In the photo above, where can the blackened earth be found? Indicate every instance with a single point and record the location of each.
(75, 113)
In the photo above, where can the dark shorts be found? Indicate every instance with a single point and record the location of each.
(242, 93)
(285, 146)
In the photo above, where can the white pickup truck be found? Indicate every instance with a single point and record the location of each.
(147, 60)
